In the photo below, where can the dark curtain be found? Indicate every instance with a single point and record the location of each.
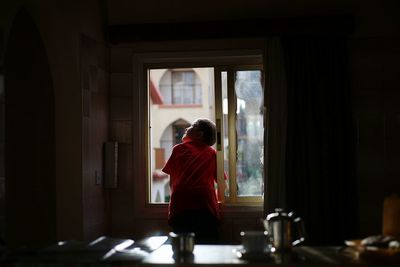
(320, 170)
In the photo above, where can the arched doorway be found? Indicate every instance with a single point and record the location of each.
(29, 137)
(171, 136)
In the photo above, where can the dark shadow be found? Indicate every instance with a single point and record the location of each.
(29, 137)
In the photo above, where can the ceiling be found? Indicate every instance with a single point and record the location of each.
(175, 11)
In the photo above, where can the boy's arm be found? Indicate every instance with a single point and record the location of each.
(169, 165)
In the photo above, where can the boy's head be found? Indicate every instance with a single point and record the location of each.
(203, 130)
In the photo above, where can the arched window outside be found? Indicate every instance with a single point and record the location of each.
(181, 86)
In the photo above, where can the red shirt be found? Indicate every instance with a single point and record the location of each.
(192, 168)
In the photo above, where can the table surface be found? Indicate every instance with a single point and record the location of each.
(231, 254)
(210, 255)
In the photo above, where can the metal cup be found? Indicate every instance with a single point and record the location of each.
(182, 243)
(285, 229)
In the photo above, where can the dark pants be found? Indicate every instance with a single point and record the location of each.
(201, 222)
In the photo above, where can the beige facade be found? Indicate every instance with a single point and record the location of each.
(164, 116)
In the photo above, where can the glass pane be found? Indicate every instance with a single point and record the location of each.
(224, 87)
(188, 94)
(249, 132)
(177, 94)
(167, 124)
(197, 88)
(184, 87)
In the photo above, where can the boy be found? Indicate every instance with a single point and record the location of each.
(192, 167)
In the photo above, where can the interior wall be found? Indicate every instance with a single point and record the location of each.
(61, 25)
(123, 221)
(77, 55)
(94, 86)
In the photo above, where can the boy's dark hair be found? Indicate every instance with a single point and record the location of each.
(209, 130)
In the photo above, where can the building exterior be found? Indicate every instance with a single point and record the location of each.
(178, 97)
